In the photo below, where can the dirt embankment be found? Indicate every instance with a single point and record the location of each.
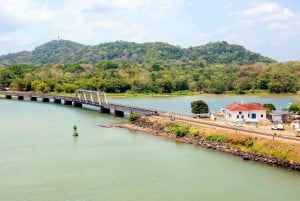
(156, 125)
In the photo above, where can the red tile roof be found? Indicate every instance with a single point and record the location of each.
(244, 107)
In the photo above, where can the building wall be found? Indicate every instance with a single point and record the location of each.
(260, 115)
(295, 124)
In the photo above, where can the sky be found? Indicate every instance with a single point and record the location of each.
(268, 27)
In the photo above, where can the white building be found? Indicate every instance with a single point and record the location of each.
(248, 112)
(295, 124)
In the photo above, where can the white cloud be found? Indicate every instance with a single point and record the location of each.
(180, 22)
(277, 24)
(264, 27)
(260, 9)
(272, 15)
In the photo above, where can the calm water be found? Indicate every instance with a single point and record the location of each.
(215, 102)
(40, 160)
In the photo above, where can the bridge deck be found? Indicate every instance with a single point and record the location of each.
(75, 100)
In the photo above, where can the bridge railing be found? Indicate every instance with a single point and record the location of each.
(99, 102)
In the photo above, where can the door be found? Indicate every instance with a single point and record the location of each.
(253, 116)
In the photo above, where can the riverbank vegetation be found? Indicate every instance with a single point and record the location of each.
(133, 78)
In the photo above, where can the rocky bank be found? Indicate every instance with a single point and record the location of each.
(158, 128)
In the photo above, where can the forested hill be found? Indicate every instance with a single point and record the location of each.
(64, 51)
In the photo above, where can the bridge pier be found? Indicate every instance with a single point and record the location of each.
(46, 100)
(20, 97)
(33, 98)
(119, 113)
(57, 100)
(7, 96)
(67, 102)
(77, 104)
(105, 110)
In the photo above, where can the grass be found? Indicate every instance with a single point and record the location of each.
(266, 147)
(218, 138)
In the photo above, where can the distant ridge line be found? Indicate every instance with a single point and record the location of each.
(121, 51)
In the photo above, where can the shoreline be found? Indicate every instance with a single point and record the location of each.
(214, 145)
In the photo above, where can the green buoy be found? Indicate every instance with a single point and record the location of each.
(75, 133)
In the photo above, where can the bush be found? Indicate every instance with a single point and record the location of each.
(133, 117)
(249, 143)
(196, 134)
(218, 138)
(178, 130)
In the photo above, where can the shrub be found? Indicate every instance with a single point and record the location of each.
(178, 130)
(133, 117)
(249, 143)
(196, 134)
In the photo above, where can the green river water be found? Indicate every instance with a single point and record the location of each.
(40, 160)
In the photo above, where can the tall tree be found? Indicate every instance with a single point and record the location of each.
(199, 107)
(270, 107)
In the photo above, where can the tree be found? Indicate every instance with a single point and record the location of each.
(294, 108)
(270, 107)
(199, 107)
(18, 84)
(40, 86)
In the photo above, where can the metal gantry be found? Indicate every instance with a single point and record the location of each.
(91, 97)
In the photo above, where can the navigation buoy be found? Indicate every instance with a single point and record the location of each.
(75, 133)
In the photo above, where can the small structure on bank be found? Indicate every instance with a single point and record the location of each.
(295, 124)
(75, 133)
(281, 117)
(248, 112)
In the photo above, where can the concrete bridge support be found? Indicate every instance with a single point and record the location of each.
(57, 100)
(33, 98)
(20, 97)
(104, 110)
(67, 102)
(119, 113)
(77, 104)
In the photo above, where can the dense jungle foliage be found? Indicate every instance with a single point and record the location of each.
(120, 77)
(64, 51)
(64, 66)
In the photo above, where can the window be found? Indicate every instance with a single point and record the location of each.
(240, 112)
(237, 116)
(242, 116)
(262, 116)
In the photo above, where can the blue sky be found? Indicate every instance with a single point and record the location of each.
(271, 28)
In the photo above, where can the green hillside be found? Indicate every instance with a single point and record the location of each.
(64, 51)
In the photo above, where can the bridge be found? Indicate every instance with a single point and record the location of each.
(98, 100)
(83, 97)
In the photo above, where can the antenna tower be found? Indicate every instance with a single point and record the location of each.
(58, 35)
